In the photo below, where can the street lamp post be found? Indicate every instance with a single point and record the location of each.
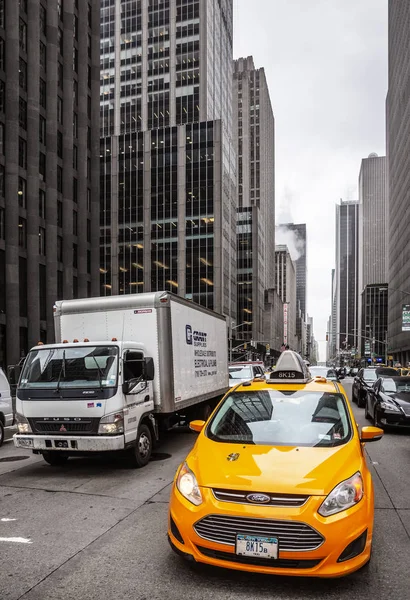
(230, 336)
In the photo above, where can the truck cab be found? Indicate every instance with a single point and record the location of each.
(79, 398)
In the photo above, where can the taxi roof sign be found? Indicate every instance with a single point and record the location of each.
(290, 368)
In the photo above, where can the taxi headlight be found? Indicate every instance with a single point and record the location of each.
(188, 485)
(112, 424)
(343, 496)
(23, 426)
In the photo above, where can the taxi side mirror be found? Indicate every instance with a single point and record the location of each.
(371, 434)
(197, 426)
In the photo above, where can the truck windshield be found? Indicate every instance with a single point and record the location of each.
(64, 368)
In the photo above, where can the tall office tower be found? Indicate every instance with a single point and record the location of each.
(168, 189)
(254, 134)
(285, 283)
(398, 150)
(373, 255)
(298, 247)
(49, 170)
(347, 277)
(332, 335)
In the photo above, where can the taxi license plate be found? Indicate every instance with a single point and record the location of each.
(258, 547)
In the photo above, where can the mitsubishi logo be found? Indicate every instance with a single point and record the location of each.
(63, 429)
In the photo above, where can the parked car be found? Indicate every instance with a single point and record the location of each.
(388, 402)
(6, 407)
(245, 371)
(364, 380)
(353, 372)
(326, 372)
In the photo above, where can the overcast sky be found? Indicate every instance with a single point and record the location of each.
(326, 65)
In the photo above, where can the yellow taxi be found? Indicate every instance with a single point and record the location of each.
(277, 482)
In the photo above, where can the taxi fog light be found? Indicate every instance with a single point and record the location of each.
(23, 426)
(389, 406)
(188, 485)
(112, 424)
(343, 496)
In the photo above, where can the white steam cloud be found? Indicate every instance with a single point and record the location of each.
(288, 237)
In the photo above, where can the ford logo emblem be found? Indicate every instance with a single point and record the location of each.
(258, 498)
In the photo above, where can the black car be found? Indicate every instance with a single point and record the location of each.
(388, 402)
(364, 380)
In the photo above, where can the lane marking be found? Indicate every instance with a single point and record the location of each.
(16, 540)
(6, 520)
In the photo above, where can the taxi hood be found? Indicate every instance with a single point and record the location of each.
(273, 469)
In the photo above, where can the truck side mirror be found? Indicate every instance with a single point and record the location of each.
(11, 374)
(149, 369)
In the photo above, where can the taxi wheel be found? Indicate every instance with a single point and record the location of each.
(1, 433)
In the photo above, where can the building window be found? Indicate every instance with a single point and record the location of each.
(59, 179)
(90, 16)
(89, 46)
(60, 293)
(2, 138)
(22, 153)
(75, 92)
(59, 213)
(59, 110)
(23, 287)
(2, 14)
(43, 93)
(75, 222)
(43, 291)
(2, 181)
(41, 241)
(41, 204)
(42, 166)
(2, 96)
(75, 27)
(60, 40)
(43, 56)
(60, 75)
(22, 192)
(23, 113)
(75, 190)
(23, 74)
(42, 130)
(75, 125)
(60, 10)
(23, 5)
(75, 60)
(59, 248)
(75, 157)
(2, 223)
(23, 35)
(89, 263)
(88, 231)
(59, 144)
(22, 233)
(88, 199)
(89, 105)
(2, 53)
(43, 20)
(75, 256)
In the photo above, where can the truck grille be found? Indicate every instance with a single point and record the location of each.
(281, 563)
(81, 426)
(238, 497)
(292, 536)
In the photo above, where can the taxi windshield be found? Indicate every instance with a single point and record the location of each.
(282, 418)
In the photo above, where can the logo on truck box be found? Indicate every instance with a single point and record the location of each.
(196, 338)
(188, 333)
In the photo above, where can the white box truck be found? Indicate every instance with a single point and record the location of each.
(122, 367)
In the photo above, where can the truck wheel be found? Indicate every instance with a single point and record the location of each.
(140, 454)
(55, 459)
(1, 433)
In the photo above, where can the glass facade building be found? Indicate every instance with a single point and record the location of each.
(168, 187)
(49, 140)
(254, 134)
(347, 275)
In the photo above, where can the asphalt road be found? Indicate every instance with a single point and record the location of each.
(92, 530)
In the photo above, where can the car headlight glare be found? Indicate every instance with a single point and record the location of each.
(343, 496)
(23, 426)
(112, 424)
(188, 485)
(389, 406)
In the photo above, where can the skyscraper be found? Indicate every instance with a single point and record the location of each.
(398, 149)
(347, 276)
(373, 255)
(49, 134)
(168, 196)
(254, 134)
(285, 283)
(298, 247)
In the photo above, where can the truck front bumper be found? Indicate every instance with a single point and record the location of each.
(70, 443)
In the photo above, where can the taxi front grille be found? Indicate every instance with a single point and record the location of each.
(239, 497)
(292, 535)
(281, 563)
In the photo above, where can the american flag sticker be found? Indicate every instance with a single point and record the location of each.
(90, 404)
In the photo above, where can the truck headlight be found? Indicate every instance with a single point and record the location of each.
(23, 426)
(188, 485)
(112, 424)
(343, 496)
